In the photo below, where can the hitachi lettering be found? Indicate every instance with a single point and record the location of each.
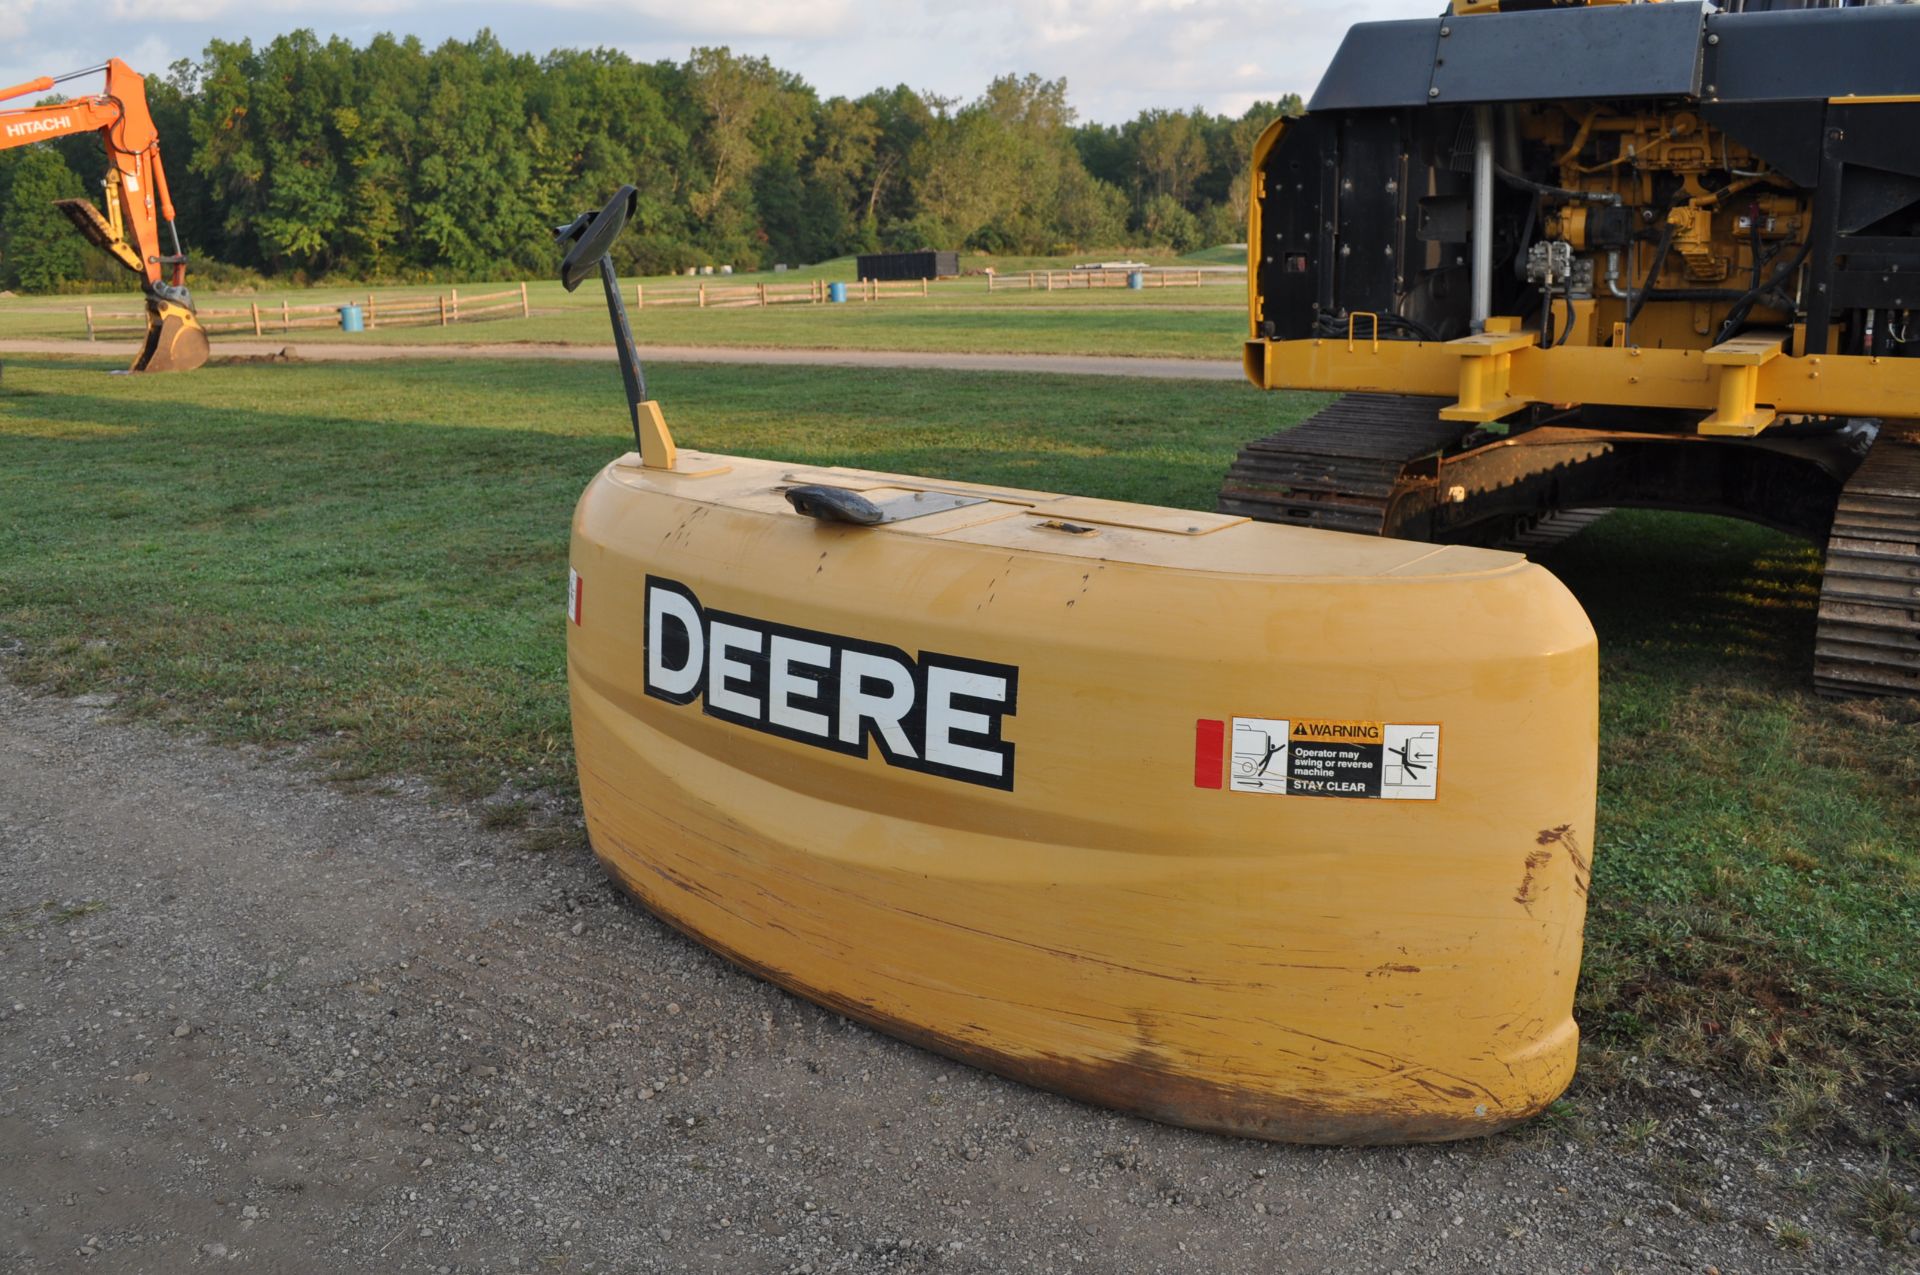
(48, 124)
(938, 714)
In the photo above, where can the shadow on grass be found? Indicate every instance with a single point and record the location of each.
(1757, 881)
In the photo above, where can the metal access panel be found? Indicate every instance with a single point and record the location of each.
(1302, 179)
(1810, 54)
(1557, 55)
(1380, 64)
(1370, 225)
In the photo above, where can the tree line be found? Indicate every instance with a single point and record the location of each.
(307, 159)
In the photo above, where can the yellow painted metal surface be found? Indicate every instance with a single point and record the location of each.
(1725, 381)
(175, 340)
(1071, 860)
(1262, 146)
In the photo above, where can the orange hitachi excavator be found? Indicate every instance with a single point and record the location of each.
(136, 202)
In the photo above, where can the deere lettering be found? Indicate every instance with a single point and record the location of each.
(938, 714)
(46, 124)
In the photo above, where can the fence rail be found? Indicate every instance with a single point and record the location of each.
(445, 308)
(707, 296)
(1151, 277)
(439, 309)
(712, 296)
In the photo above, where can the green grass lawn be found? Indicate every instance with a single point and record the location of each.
(369, 560)
(1226, 254)
(1018, 328)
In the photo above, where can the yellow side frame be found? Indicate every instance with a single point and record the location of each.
(1738, 386)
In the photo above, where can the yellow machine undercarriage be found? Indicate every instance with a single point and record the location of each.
(1648, 255)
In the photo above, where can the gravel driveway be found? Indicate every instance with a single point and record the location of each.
(255, 1022)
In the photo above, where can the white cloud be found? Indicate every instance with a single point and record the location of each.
(1119, 56)
(15, 18)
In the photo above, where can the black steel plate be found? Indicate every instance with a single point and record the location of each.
(1380, 64)
(1612, 51)
(1814, 53)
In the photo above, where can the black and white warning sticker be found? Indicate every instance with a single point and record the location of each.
(1323, 757)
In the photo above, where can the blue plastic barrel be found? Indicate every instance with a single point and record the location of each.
(1136, 280)
(837, 293)
(350, 319)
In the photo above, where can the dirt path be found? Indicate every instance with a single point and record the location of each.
(254, 1022)
(1060, 364)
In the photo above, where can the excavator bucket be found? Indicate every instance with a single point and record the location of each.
(175, 340)
(1266, 830)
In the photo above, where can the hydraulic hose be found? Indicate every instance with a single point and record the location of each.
(1559, 192)
(1744, 304)
(1635, 302)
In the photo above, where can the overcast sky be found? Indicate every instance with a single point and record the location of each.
(1118, 55)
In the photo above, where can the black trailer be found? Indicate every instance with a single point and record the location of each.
(926, 264)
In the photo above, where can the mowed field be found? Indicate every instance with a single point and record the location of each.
(1177, 321)
(367, 562)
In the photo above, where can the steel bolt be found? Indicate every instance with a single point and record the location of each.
(1433, 92)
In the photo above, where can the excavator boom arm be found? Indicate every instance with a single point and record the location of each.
(25, 125)
(137, 201)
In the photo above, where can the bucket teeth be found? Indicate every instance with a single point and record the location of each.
(88, 221)
(175, 340)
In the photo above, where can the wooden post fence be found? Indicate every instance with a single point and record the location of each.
(255, 307)
(370, 312)
(763, 294)
(639, 297)
(89, 323)
(456, 304)
(443, 312)
(286, 317)
(525, 311)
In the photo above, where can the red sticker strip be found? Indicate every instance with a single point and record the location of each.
(1209, 752)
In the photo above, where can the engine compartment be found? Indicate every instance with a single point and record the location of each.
(1732, 188)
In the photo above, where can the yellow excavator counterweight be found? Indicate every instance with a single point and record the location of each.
(1272, 831)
